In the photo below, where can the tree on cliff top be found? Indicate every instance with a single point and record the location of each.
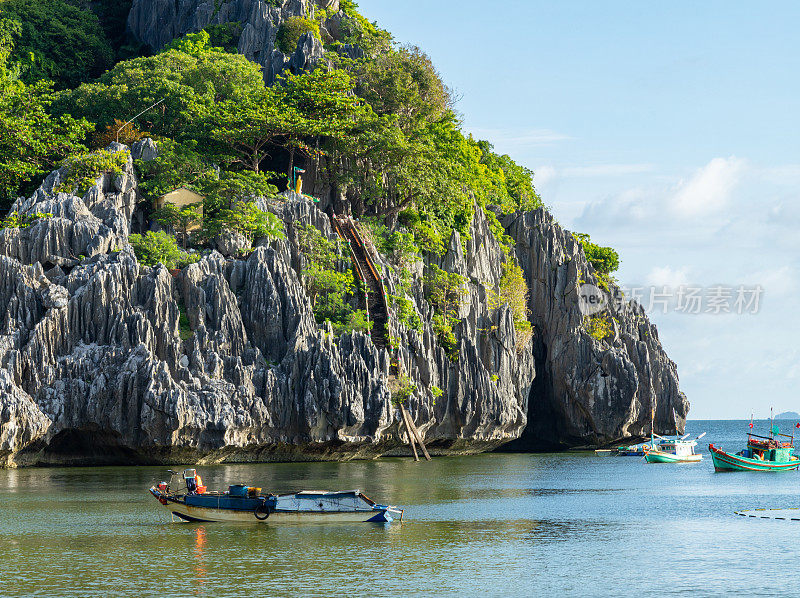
(605, 260)
(31, 141)
(57, 41)
(189, 81)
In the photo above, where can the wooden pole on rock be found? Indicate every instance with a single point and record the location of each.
(413, 428)
(406, 421)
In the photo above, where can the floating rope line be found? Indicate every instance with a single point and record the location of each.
(778, 514)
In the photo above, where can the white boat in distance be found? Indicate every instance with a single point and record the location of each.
(246, 504)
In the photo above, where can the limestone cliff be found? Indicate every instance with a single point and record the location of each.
(587, 391)
(96, 367)
(157, 22)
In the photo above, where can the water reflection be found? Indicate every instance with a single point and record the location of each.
(199, 560)
(486, 525)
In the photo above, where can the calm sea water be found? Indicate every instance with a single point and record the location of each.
(495, 525)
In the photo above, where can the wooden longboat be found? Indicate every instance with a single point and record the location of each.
(243, 504)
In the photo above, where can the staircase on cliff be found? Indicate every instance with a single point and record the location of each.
(377, 313)
(375, 294)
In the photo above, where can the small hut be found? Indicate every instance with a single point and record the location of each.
(181, 197)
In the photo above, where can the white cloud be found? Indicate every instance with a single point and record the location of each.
(785, 214)
(506, 140)
(547, 174)
(781, 174)
(666, 276)
(709, 189)
(630, 207)
(706, 192)
(778, 282)
(602, 170)
(544, 175)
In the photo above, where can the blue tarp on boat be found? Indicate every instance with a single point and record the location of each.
(218, 501)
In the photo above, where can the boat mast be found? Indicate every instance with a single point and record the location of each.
(652, 430)
(771, 423)
(675, 420)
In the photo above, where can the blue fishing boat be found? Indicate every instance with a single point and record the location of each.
(636, 450)
(247, 504)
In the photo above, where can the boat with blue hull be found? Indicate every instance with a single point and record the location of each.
(621, 451)
(247, 504)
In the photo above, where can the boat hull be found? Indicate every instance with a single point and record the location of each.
(659, 457)
(728, 462)
(202, 515)
(298, 508)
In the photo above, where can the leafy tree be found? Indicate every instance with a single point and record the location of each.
(32, 142)
(512, 290)
(184, 87)
(357, 30)
(83, 170)
(193, 44)
(598, 326)
(406, 313)
(327, 288)
(156, 247)
(246, 218)
(605, 260)
(403, 84)
(225, 190)
(57, 41)
(316, 248)
(247, 129)
(315, 104)
(292, 116)
(177, 165)
(17, 220)
(357, 321)
(179, 218)
(123, 132)
(444, 291)
(292, 29)
(403, 389)
(512, 184)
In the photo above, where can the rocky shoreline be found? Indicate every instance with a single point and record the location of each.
(95, 369)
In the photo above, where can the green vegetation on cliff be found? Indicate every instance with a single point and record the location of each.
(292, 29)
(330, 286)
(54, 40)
(160, 248)
(604, 260)
(379, 129)
(32, 141)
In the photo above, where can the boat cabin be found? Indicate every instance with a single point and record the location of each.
(679, 448)
(769, 448)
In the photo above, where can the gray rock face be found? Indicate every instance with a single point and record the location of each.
(230, 244)
(587, 392)
(105, 360)
(157, 22)
(86, 226)
(100, 366)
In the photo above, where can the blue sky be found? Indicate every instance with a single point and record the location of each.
(667, 130)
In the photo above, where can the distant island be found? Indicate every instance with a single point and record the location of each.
(788, 415)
